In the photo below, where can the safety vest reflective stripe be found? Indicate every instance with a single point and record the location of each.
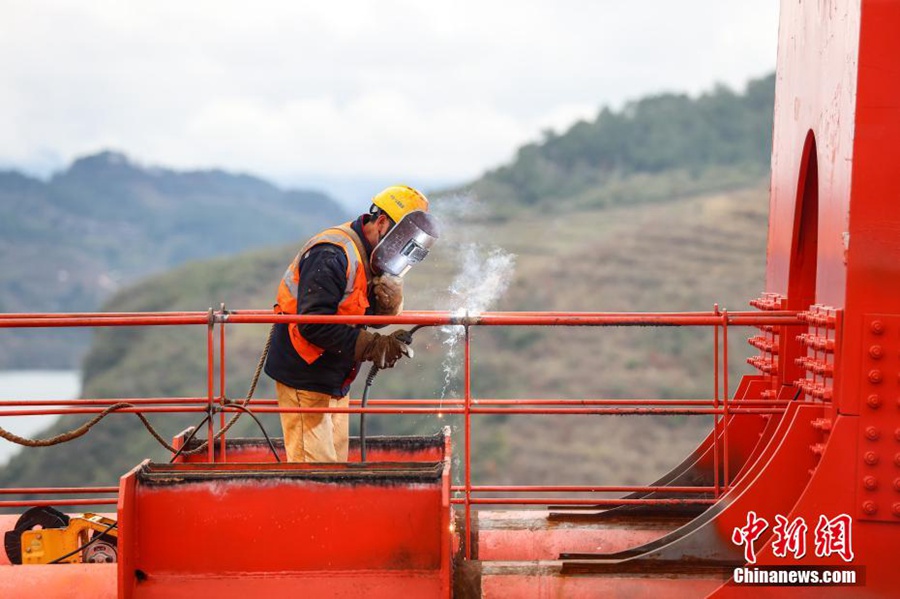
(355, 299)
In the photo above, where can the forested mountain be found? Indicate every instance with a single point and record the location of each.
(69, 243)
(654, 148)
(646, 228)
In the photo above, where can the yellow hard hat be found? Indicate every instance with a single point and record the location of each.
(399, 200)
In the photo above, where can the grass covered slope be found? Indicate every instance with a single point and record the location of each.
(684, 254)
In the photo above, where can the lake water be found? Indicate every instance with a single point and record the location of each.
(33, 385)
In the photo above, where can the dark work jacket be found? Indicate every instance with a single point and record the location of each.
(323, 279)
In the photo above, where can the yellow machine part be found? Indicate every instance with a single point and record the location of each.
(45, 545)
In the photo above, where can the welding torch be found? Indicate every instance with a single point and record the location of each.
(403, 336)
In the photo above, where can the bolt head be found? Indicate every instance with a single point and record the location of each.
(873, 401)
(897, 484)
(871, 458)
(869, 507)
(870, 483)
(897, 433)
(876, 352)
(875, 376)
(872, 433)
(877, 327)
(897, 460)
(895, 509)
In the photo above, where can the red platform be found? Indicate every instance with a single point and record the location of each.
(241, 529)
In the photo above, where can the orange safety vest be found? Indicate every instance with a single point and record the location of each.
(356, 294)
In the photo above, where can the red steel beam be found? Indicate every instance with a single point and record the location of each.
(103, 402)
(222, 382)
(55, 502)
(584, 501)
(407, 410)
(410, 318)
(715, 433)
(97, 321)
(581, 489)
(57, 490)
(468, 440)
(162, 401)
(51, 315)
(725, 397)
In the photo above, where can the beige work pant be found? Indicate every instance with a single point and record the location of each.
(313, 437)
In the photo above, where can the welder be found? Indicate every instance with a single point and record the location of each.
(353, 269)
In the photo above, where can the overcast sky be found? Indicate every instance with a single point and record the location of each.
(298, 90)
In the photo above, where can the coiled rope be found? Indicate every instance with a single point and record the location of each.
(84, 428)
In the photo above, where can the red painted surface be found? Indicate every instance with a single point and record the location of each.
(533, 535)
(833, 255)
(257, 451)
(837, 120)
(546, 582)
(60, 581)
(218, 529)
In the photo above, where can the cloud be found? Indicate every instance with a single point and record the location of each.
(441, 90)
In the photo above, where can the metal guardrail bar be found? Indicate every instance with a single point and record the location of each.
(467, 406)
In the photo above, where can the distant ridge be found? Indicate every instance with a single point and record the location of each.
(68, 243)
(655, 148)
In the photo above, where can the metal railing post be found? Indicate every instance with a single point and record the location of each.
(210, 386)
(725, 395)
(715, 433)
(222, 392)
(468, 434)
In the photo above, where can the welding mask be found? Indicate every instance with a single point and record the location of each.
(407, 243)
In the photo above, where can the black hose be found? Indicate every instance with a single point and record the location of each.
(184, 443)
(93, 540)
(373, 372)
(370, 378)
(259, 424)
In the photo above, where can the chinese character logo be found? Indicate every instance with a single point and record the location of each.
(747, 534)
(833, 536)
(789, 537)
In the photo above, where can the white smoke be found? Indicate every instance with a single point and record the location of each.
(485, 272)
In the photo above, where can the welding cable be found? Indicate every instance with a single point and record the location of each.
(370, 378)
(84, 428)
(234, 404)
(187, 440)
(93, 540)
(373, 372)
(244, 403)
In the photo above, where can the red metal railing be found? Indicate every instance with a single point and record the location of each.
(467, 406)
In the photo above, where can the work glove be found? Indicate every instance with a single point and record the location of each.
(382, 350)
(388, 290)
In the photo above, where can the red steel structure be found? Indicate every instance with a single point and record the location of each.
(801, 468)
(150, 513)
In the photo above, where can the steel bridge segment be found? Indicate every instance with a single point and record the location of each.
(838, 116)
(768, 433)
(702, 539)
(698, 468)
